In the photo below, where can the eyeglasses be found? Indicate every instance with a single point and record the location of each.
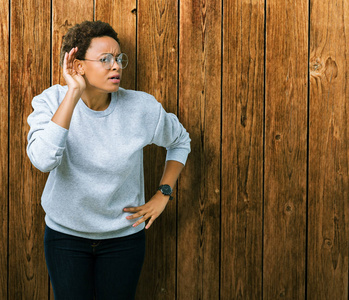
(108, 60)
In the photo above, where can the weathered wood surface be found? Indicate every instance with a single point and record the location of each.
(4, 135)
(328, 151)
(285, 172)
(200, 111)
(262, 205)
(157, 48)
(242, 150)
(30, 74)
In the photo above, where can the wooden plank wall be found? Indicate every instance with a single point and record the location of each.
(261, 209)
(285, 160)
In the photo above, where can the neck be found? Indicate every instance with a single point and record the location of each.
(96, 101)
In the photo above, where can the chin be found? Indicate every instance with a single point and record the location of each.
(113, 89)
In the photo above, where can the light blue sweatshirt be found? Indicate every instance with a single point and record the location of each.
(96, 167)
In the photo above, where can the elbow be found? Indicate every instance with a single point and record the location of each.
(185, 145)
(44, 166)
(42, 162)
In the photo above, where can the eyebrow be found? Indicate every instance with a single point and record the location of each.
(110, 53)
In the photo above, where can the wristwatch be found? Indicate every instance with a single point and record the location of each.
(165, 190)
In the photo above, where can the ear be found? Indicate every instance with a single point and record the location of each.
(79, 66)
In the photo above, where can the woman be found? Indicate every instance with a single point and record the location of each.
(90, 136)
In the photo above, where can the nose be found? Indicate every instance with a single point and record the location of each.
(115, 65)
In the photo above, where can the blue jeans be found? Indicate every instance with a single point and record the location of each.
(86, 269)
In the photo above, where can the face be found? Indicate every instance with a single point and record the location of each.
(98, 79)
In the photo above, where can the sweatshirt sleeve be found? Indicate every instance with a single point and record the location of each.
(171, 134)
(46, 139)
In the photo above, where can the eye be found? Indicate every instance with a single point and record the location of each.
(121, 57)
(105, 59)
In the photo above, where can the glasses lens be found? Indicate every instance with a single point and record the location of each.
(122, 60)
(109, 60)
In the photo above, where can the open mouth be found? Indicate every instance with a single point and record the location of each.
(115, 79)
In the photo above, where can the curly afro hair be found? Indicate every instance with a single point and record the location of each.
(81, 35)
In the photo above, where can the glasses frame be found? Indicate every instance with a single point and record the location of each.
(112, 62)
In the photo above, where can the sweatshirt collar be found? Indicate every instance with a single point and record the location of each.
(101, 113)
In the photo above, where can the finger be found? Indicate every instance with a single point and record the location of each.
(65, 61)
(136, 215)
(67, 64)
(73, 51)
(71, 57)
(133, 209)
(146, 217)
(152, 219)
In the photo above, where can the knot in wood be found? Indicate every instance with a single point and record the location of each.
(243, 120)
(331, 69)
(316, 67)
(288, 208)
(282, 293)
(327, 243)
(319, 67)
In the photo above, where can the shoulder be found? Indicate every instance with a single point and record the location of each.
(138, 98)
(52, 96)
(55, 90)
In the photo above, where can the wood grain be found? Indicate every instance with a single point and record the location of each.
(328, 151)
(285, 150)
(122, 16)
(4, 135)
(157, 48)
(242, 150)
(66, 14)
(200, 112)
(244, 224)
(30, 74)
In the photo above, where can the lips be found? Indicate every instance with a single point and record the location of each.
(115, 78)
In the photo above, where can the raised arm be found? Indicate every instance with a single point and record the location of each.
(76, 86)
(50, 120)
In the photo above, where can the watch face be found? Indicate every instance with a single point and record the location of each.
(166, 190)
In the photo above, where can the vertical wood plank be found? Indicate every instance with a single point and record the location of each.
(285, 149)
(157, 74)
(4, 80)
(242, 149)
(328, 151)
(200, 112)
(66, 14)
(30, 74)
(122, 16)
